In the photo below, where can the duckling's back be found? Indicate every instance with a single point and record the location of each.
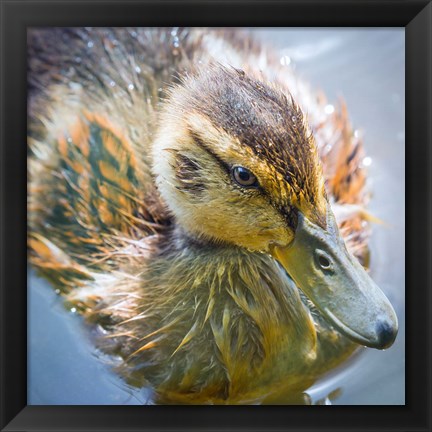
(93, 98)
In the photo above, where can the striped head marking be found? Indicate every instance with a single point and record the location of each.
(220, 125)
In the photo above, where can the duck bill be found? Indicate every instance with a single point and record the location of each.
(318, 261)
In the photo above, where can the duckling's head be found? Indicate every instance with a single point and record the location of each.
(236, 163)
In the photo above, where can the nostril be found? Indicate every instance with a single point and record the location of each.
(324, 262)
(386, 334)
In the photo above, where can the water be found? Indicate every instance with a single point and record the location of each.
(366, 68)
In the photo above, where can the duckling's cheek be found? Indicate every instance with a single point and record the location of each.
(220, 214)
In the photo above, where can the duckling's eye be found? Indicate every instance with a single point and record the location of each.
(244, 177)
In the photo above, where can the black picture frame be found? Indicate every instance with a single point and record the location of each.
(16, 16)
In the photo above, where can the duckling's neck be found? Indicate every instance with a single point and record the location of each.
(215, 316)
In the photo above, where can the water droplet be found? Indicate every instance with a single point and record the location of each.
(137, 69)
(57, 291)
(285, 60)
(73, 310)
(329, 109)
(174, 31)
(131, 86)
(294, 118)
(357, 133)
(112, 83)
(77, 59)
(134, 34)
(159, 89)
(75, 86)
(90, 44)
(101, 329)
(367, 161)
(69, 139)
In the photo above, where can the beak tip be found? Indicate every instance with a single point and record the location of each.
(387, 333)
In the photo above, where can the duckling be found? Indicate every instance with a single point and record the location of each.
(182, 202)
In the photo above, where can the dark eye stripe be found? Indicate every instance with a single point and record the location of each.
(228, 168)
(200, 143)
